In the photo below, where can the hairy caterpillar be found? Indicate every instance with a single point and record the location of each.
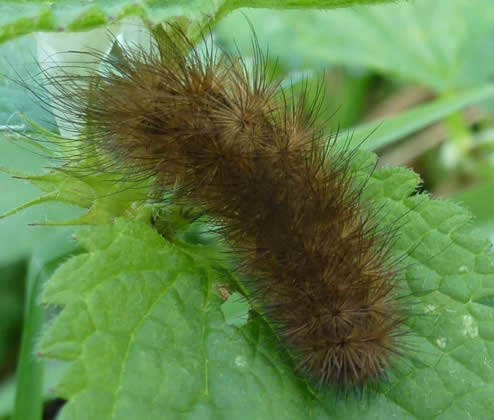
(255, 160)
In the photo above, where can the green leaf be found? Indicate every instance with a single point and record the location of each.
(451, 270)
(71, 15)
(443, 44)
(143, 328)
(146, 336)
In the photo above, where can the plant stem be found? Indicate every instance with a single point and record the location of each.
(29, 397)
(29, 400)
(459, 132)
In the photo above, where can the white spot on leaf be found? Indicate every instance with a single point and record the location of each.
(441, 342)
(469, 327)
(429, 308)
(240, 361)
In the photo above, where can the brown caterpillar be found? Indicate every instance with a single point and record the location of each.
(255, 160)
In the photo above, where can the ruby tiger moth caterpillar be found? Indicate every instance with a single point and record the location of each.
(231, 143)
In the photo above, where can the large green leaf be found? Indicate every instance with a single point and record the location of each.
(145, 335)
(442, 44)
(147, 338)
(19, 18)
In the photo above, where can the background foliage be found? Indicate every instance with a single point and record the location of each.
(144, 328)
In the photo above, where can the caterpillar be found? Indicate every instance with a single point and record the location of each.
(228, 140)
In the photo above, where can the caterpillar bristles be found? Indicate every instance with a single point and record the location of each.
(254, 158)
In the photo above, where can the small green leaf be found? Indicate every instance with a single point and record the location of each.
(79, 187)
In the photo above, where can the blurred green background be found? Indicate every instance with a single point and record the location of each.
(421, 70)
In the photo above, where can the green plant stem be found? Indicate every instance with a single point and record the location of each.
(459, 132)
(380, 134)
(29, 390)
(29, 400)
